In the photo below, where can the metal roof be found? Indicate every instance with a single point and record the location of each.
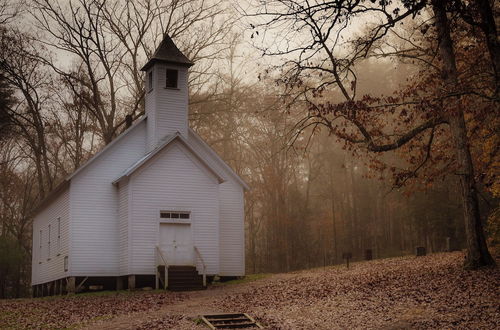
(167, 141)
(66, 181)
(168, 52)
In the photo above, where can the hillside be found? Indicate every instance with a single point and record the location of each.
(409, 292)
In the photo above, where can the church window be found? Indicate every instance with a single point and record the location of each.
(171, 81)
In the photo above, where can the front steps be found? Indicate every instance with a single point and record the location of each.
(230, 321)
(182, 278)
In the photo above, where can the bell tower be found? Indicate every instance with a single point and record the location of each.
(166, 92)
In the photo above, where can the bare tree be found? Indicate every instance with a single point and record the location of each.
(321, 56)
(9, 10)
(72, 125)
(110, 40)
(19, 62)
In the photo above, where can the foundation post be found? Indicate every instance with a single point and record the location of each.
(71, 285)
(119, 283)
(131, 282)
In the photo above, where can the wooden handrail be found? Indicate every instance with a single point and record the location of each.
(204, 266)
(161, 255)
(165, 284)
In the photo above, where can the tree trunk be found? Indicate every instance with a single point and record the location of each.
(489, 28)
(477, 252)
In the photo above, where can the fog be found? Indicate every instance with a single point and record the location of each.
(317, 190)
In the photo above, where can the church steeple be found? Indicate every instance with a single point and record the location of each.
(166, 91)
(167, 52)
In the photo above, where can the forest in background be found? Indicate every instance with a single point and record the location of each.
(71, 75)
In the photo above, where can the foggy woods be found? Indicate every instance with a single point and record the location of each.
(354, 131)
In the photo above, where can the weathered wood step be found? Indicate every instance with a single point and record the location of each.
(224, 316)
(235, 326)
(181, 267)
(180, 274)
(230, 321)
(185, 281)
(181, 278)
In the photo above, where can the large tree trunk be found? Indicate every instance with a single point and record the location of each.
(477, 251)
(488, 25)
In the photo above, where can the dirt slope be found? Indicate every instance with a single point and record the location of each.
(400, 293)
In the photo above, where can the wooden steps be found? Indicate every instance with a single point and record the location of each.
(182, 278)
(230, 321)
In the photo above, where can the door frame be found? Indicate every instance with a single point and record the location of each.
(189, 222)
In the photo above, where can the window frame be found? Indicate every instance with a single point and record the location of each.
(58, 236)
(181, 216)
(40, 240)
(176, 84)
(48, 243)
(150, 81)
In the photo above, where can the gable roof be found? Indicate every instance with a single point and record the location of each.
(53, 194)
(167, 52)
(219, 159)
(108, 146)
(66, 181)
(166, 142)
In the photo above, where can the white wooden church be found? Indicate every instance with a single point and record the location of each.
(156, 207)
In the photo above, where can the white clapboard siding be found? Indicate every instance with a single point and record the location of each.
(123, 211)
(95, 234)
(173, 180)
(48, 266)
(232, 231)
(150, 106)
(110, 227)
(167, 107)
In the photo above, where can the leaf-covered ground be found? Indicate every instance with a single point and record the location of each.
(75, 311)
(400, 293)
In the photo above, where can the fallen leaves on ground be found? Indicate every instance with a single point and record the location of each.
(424, 292)
(431, 292)
(171, 322)
(71, 311)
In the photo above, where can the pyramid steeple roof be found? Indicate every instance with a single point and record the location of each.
(168, 52)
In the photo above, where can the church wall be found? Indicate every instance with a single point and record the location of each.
(173, 180)
(232, 223)
(48, 259)
(95, 230)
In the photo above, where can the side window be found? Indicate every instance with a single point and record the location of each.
(40, 251)
(171, 81)
(150, 80)
(48, 245)
(59, 236)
